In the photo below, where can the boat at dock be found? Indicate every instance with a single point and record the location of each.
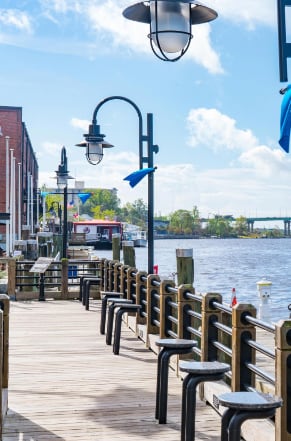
(138, 237)
(97, 233)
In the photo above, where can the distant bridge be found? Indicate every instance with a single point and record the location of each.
(285, 219)
(252, 220)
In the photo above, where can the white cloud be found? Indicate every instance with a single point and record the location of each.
(51, 149)
(212, 128)
(80, 124)
(266, 161)
(258, 175)
(246, 12)
(62, 6)
(201, 51)
(16, 19)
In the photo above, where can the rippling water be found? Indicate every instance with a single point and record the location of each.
(223, 264)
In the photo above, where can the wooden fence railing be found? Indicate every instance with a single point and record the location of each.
(259, 353)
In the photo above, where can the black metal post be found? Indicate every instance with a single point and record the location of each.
(284, 46)
(60, 217)
(41, 297)
(150, 195)
(65, 225)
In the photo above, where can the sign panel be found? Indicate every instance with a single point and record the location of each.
(41, 265)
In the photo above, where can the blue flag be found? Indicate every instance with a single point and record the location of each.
(135, 177)
(285, 120)
(84, 197)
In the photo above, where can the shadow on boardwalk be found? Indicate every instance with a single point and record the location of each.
(66, 384)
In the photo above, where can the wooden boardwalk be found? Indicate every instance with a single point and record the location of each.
(65, 384)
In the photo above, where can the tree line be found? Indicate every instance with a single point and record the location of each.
(105, 204)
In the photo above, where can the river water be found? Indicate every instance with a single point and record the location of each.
(223, 264)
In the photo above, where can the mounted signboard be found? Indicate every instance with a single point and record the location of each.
(41, 265)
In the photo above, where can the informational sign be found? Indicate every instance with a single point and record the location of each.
(41, 265)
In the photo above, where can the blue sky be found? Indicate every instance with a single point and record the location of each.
(216, 111)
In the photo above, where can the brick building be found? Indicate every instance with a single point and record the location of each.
(18, 178)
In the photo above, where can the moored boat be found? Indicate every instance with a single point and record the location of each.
(98, 232)
(140, 239)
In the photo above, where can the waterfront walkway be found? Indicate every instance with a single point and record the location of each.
(65, 384)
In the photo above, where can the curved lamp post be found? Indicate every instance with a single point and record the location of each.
(94, 143)
(170, 24)
(62, 183)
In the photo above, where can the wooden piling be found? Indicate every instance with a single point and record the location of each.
(185, 266)
(116, 247)
(128, 253)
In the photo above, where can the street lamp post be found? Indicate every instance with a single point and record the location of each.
(62, 183)
(94, 143)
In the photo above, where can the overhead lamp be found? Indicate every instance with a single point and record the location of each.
(170, 24)
(94, 144)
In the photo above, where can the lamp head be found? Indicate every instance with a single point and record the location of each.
(170, 24)
(94, 143)
(63, 172)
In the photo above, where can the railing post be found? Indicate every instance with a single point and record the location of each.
(129, 283)
(241, 351)
(140, 292)
(283, 379)
(111, 264)
(209, 332)
(165, 310)
(123, 287)
(103, 273)
(117, 275)
(106, 275)
(184, 304)
(11, 288)
(153, 303)
(64, 278)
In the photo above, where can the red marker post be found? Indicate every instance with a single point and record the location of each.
(233, 298)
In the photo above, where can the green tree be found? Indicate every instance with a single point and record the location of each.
(135, 213)
(241, 226)
(220, 226)
(103, 198)
(182, 222)
(105, 214)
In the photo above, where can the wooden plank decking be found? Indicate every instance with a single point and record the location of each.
(65, 384)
